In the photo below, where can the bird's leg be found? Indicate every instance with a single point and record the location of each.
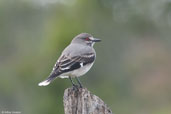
(72, 82)
(79, 82)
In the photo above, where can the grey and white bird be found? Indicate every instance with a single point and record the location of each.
(76, 59)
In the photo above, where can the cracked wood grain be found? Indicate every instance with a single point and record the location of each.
(81, 101)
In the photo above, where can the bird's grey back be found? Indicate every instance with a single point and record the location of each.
(77, 50)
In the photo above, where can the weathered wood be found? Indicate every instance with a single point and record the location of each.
(81, 101)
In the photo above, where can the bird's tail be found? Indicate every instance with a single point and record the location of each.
(48, 80)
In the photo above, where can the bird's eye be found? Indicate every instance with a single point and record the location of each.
(87, 39)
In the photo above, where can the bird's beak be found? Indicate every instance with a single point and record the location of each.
(96, 40)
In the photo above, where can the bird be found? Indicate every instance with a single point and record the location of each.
(75, 61)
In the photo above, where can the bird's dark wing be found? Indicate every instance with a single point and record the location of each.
(67, 64)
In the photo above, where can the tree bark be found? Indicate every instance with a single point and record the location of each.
(81, 101)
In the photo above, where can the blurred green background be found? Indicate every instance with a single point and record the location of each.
(133, 65)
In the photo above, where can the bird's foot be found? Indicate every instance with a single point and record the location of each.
(75, 87)
(80, 86)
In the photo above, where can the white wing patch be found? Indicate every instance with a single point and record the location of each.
(81, 64)
(65, 68)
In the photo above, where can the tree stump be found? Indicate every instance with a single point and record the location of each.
(81, 101)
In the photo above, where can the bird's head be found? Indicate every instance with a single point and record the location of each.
(85, 39)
